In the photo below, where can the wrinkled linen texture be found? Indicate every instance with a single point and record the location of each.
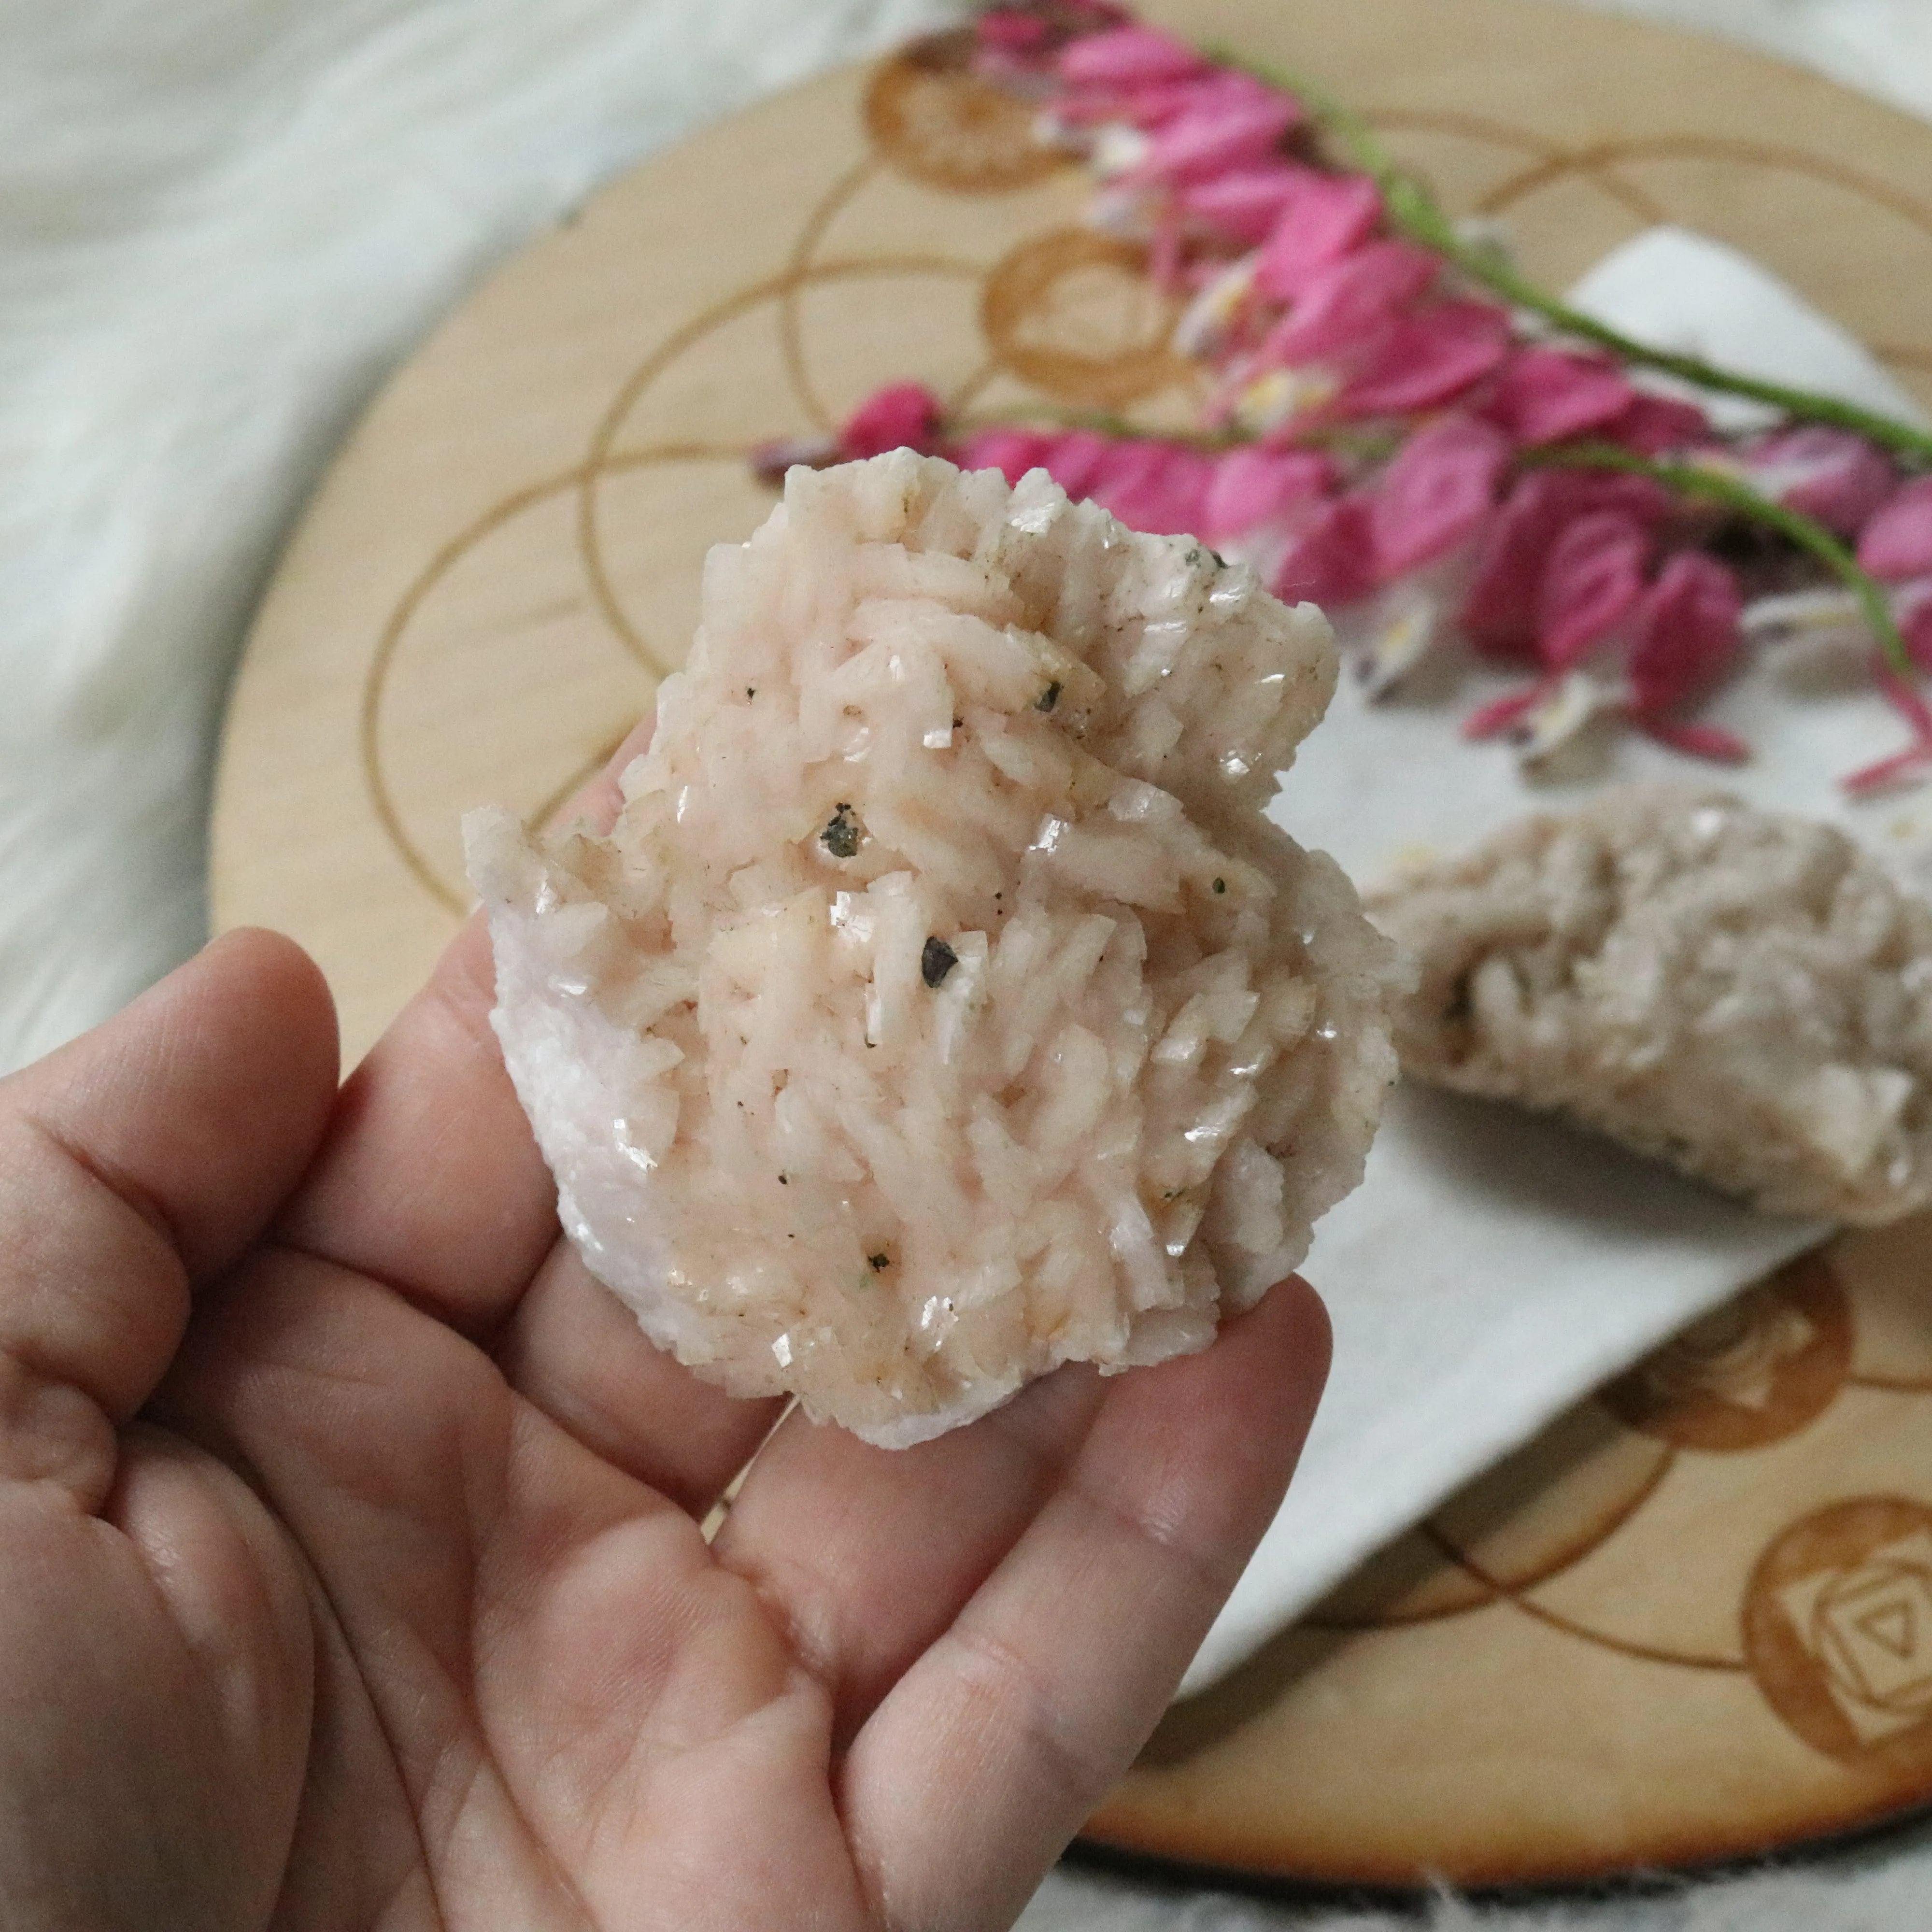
(221, 223)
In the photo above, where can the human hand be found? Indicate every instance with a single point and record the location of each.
(350, 1566)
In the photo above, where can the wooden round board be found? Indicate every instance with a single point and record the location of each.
(1697, 1619)
(1692, 1621)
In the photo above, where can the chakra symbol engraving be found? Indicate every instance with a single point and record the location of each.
(1074, 314)
(1758, 1369)
(1738, 1354)
(1871, 1628)
(1838, 1630)
(936, 120)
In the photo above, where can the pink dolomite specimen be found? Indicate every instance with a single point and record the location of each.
(942, 1006)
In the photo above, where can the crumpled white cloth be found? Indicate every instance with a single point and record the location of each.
(1694, 296)
(1494, 1268)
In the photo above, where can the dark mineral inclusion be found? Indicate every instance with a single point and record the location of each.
(936, 960)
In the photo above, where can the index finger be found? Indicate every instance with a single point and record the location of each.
(428, 1179)
(431, 1182)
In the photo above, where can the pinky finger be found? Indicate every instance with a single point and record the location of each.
(969, 1779)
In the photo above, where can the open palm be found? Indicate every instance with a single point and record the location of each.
(351, 1574)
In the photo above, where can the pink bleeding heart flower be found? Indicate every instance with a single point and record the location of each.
(1005, 31)
(1324, 218)
(1710, 742)
(1146, 107)
(771, 460)
(1907, 766)
(1160, 488)
(1655, 425)
(1592, 582)
(1490, 720)
(1685, 634)
(1332, 562)
(1831, 475)
(1227, 90)
(1429, 358)
(1011, 452)
(1024, 42)
(1243, 204)
(1206, 141)
(1252, 486)
(1358, 296)
(1074, 459)
(904, 416)
(1127, 57)
(1156, 105)
(1544, 395)
(1500, 614)
(1897, 543)
(1441, 485)
(1220, 317)
(1024, 29)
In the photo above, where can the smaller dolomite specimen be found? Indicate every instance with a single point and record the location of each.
(1748, 996)
(948, 1010)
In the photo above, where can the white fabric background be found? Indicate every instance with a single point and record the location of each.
(221, 221)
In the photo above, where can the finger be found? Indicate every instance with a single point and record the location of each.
(576, 1352)
(528, 1626)
(136, 1163)
(153, 1715)
(235, 1604)
(600, 801)
(429, 1180)
(971, 1776)
(864, 1555)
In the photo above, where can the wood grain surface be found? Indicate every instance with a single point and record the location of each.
(1694, 1620)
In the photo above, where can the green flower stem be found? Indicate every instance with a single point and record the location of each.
(1693, 479)
(1415, 213)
